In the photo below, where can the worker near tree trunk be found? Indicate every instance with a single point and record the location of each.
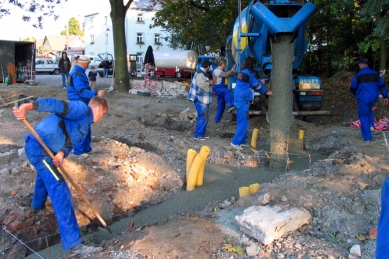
(366, 86)
(79, 90)
(224, 96)
(246, 85)
(64, 128)
(200, 93)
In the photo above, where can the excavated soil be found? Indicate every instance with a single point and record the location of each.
(139, 163)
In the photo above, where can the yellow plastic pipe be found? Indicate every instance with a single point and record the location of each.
(204, 152)
(254, 138)
(301, 134)
(244, 191)
(189, 161)
(253, 188)
(194, 169)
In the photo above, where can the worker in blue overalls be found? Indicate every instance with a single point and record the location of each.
(366, 86)
(79, 90)
(224, 96)
(65, 127)
(246, 85)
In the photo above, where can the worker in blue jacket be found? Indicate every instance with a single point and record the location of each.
(220, 88)
(200, 93)
(246, 84)
(366, 86)
(79, 90)
(64, 128)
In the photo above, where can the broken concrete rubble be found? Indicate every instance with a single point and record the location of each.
(267, 224)
(159, 87)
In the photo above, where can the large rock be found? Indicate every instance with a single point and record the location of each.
(266, 223)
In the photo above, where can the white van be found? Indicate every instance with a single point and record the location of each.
(94, 61)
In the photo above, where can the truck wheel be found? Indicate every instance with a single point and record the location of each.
(296, 109)
(178, 75)
(56, 71)
(233, 116)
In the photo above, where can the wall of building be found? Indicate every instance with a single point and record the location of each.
(99, 39)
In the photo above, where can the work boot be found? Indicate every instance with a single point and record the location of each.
(231, 109)
(238, 147)
(82, 249)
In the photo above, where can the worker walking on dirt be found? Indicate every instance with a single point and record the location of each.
(60, 131)
(382, 246)
(64, 67)
(200, 93)
(79, 90)
(366, 86)
(246, 84)
(220, 89)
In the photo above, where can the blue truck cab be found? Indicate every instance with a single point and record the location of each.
(257, 24)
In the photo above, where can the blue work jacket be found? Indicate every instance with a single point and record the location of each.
(66, 126)
(246, 84)
(78, 86)
(367, 84)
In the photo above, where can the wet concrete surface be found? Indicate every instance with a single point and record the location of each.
(220, 183)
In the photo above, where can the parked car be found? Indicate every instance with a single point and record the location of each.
(46, 65)
(94, 61)
(108, 59)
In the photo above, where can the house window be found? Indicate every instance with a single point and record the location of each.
(140, 18)
(106, 20)
(91, 21)
(139, 38)
(92, 39)
(139, 58)
(157, 38)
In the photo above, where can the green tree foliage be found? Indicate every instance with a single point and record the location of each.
(74, 28)
(376, 13)
(197, 23)
(333, 33)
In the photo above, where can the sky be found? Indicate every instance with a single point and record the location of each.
(14, 28)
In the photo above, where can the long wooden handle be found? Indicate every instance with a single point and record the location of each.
(63, 172)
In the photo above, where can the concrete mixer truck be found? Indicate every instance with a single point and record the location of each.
(253, 32)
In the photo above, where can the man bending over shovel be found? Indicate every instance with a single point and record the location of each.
(65, 127)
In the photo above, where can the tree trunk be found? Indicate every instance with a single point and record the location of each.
(280, 104)
(118, 15)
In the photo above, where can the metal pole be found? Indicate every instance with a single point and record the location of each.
(106, 42)
(67, 38)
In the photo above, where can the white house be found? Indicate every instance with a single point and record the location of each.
(98, 30)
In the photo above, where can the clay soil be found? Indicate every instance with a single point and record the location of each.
(139, 161)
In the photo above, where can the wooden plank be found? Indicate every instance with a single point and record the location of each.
(299, 113)
(296, 144)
